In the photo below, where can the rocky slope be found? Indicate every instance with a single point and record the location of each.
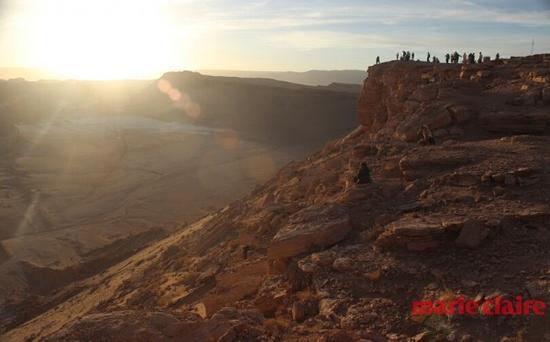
(310, 257)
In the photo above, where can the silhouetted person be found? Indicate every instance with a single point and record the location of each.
(480, 59)
(424, 136)
(363, 175)
(412, 56)
(497, 57)
(244, 251)
(457, 57)
(447, 57)
(428, 59)
(464, 58)
(377, 59)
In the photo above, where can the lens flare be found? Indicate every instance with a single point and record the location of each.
(180, 99)
(228, 139)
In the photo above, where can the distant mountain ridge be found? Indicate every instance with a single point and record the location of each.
(262, 108)
(311, 77)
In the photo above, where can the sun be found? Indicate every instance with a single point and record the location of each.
(103, 39)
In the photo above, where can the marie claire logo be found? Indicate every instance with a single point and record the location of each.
(497, 306)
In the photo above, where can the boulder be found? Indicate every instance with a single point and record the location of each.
(316, 227)
(415, 234)
(343, 264)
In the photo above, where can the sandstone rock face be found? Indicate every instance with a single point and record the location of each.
(315, 227)
(536, 122)
(421, 164)
(416, 234)
(398, 98)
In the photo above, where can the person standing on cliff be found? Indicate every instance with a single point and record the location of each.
(447, 57)
(428, 59)
(377, 59)
(464, 58)
(425, 136)
(480, 59)
(363, 175)
(497, 57)
(412, 56)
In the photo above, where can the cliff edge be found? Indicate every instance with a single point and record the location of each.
(461, 101)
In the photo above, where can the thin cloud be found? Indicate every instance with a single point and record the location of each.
(312, 40)
(261, 16)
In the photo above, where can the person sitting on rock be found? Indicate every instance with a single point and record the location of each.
(377, 59)
(363, 175)
(425, 136)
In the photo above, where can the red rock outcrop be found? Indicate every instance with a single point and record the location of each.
(457, 100)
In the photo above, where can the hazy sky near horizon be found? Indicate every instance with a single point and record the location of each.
(143, 38)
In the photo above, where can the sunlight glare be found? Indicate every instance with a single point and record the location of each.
(103, 39)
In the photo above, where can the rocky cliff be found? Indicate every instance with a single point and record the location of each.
(310, 256)
(457, 101)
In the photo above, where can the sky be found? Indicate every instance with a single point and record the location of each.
(107, 39)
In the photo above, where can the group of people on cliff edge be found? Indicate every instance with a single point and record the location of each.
(454, 58)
